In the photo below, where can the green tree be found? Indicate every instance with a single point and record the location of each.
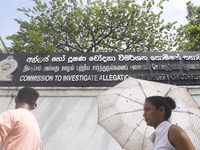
(111, 26)
(188, 38)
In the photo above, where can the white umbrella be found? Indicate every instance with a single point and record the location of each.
(120, 112)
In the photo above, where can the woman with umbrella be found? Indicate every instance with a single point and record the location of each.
(157, 111)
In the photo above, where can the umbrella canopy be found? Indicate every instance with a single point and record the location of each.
(120, 112)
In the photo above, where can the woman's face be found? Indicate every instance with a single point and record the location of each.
(152, 115)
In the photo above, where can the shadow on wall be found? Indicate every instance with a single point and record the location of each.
(71, 123)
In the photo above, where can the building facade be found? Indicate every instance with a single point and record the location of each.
(67, 116)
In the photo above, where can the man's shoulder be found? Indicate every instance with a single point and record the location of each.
(17, 113)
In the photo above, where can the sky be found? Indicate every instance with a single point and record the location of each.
(174, 10)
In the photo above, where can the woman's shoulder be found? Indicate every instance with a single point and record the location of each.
(176, 132)
(174, 129)
(179, 138)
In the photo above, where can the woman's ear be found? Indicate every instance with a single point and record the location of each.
(162, 109)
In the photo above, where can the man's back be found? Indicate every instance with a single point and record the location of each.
(20, 130)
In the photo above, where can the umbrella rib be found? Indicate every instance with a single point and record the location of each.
(144, 138)
(188, 112)
(142, 89)
(119, 113)
(132, 133)
(131, 100)
(130, 111)
(170, 89)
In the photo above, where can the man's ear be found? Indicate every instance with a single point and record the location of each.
(16, 99)
(34, 106)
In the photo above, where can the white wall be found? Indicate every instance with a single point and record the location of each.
(68, 117)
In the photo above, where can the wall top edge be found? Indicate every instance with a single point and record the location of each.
(53, 88)
(59, 88)
(78, 88)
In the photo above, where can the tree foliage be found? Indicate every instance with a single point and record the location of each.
(189, 35)
(98, 26)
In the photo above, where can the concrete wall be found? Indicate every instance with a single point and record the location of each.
(68, 117)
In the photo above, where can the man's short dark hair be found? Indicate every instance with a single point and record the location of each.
(28, 95)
